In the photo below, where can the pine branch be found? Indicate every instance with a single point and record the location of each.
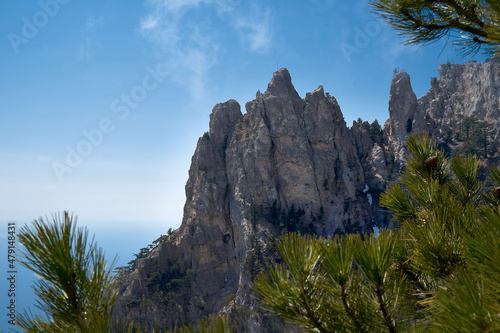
(349, 311)
(383, 309)
(425, 21)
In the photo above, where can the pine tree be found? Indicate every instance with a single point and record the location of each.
(469, 24)
(438, 272)
(451, 228)
(75, 288)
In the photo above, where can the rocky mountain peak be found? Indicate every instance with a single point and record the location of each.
(402, 98)
(467, 92)
(222, 120)
(402, 106)
(290, 164)
(281, 85)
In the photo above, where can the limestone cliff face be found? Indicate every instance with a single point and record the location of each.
(402, 110)
(460, 92)
(293, 156)
(288, 163)
(296, 152)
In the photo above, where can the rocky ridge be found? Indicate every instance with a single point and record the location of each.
(461, 92)
(288, 164)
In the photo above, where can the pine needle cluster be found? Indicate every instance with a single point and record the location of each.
(75, 288)
(438, 272)
(469, 24)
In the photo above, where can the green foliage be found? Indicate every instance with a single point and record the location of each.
(75, 289)
(143, 253)
(438, 273)
(298, 285)
(342, 284)
(254, 217)
(206, 325)
(451, 237)
(209, 325)
(472, 136)
(259, 258)
(164, 286)
(376, 132)
(283, 220)
(392, 166)
(230, 299)
(469, 24)
(254, 261)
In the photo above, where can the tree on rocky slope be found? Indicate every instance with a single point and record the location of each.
(437, 273)
(76, 289)
(469, 24)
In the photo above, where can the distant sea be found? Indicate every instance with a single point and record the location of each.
(122, 239)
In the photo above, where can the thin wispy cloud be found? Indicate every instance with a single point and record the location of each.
(187, 58)
(88, 32)
(149, 23)
(256, 31)
(225, 7)
(189, 37)
(176, 5)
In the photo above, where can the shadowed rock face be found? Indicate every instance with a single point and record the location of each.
(295, 157)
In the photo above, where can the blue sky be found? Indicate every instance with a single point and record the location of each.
(129, 86)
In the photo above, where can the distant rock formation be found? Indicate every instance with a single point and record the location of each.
(469, 92)
(290, 164)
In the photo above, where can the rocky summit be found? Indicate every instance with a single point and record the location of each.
(463, 96)
(291, 164)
